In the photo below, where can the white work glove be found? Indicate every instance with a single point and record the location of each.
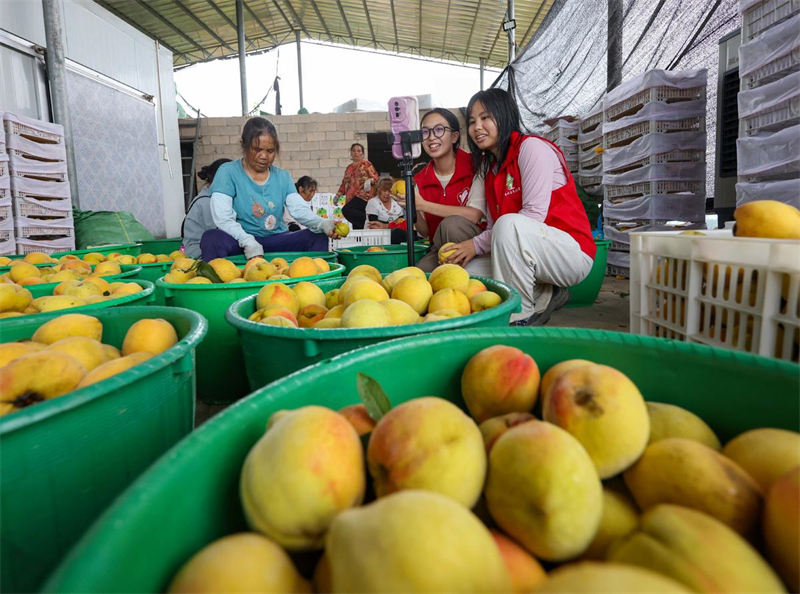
(368, 185)
(328, 227)
(253, 249)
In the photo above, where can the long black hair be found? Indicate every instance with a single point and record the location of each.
(256, 127)
(504, 111)
(208, 172)
(452, 122)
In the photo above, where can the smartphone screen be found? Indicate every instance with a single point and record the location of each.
(404, 116)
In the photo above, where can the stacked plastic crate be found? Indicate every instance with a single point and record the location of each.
(590, 147)
(7, 244)
(654, 169)
(39, 187)
(768, 147)
(564, 134)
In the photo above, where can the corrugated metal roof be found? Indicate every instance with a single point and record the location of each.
(457, 30)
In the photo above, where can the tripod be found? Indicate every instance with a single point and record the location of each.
(407, 138)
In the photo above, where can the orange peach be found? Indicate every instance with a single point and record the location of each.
(527, 574)
(781, 526)
(474, 287)
(278, 294)
(492, 429)
(275, 310)
(309, 315)
(359, 418)
(303, 266)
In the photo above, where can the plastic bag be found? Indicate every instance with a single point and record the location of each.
(96, 228)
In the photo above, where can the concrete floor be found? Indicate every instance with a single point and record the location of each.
(609, 312)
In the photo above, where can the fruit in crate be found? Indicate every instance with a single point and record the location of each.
(766, 454)
(376, 248)
(14, 298)
(620, 518)
(342, 229)
(591, 577)
(225, 269)
(767, 219)
(445, 252)
(668, 420)
(781, 527)
(303, 266)
(152, 336)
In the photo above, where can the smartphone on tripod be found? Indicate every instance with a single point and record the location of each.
(404, 117)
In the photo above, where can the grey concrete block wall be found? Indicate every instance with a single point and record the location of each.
(311, 144)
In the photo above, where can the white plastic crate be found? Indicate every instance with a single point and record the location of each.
(32, 207)
(762, 15)
(6, 213)
(614, 193)
(770, 107)
(362, 237)
(681, 171)
(47, 229)
(590, 180)
(671, 85)
(36, 130)
(19, 145)
(656, 148)
(660, 208)
(25, 187)
(786, 191)
(594, 162)
(771, 55)
(42, 170)
(5, 185)
(4, 171)
(561, 131)
(769, 154)
(26, 246)
(592, 120)
(8, 247)
(628, 134)
(573, 165)
(634, 104)
(589, 140)
(732, 292)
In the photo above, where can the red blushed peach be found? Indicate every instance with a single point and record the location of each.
(526, 572)
(781, 525)
(72, 264)
(499, 380)
(493, 428)
(310, 315)
(359, 418)
(556, 370)
(278, 294)
(279, 310)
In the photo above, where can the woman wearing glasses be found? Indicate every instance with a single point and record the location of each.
(449, 200)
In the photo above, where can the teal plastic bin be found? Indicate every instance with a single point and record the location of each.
(121, 554)
(394, 258)
(220, 367)
(65, 460)
(161, 246)
(144, 297)
(585, 292)
(129, 273)
(290, 349)
(288, 256)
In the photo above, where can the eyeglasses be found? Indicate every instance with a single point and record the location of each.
(438, 131)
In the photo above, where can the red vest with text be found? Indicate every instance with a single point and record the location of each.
(455, 194)
(566, 212)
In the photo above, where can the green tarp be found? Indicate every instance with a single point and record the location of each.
(94, 228)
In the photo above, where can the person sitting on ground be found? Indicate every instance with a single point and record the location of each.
(248, 198)
(383, 211)
(538, 239)
(306, 186)
(449, 199)
(356, 187)
(198, 218)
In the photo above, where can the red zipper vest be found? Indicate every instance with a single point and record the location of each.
(504, 196)
(456, 193)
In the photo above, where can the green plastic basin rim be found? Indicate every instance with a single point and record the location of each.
(197, 330)
(168, 288)
(513, 304)
(145, 295)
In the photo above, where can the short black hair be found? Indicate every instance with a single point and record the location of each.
(452, 122)
(208, 172)
(254, 129)
(355, 144)
(503, 109)
(305, 182)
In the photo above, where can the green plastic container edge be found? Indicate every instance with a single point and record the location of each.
(288, 256)
(145, 296)
(335, 271)
(156, 246)
(100, 538)
(21, 419)
(512, 304)
(583, 294)
(127, 271)
(390, 249)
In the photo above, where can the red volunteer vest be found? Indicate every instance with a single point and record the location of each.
(455, 194)
(504, 196)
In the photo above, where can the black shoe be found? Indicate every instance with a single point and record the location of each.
(557, 301)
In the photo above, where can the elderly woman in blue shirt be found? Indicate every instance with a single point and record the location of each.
(248, 198)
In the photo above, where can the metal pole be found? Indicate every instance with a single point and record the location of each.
(511, 36)
(299, 67)
(482, 62)
(242, 55)
(57, 79)
(614, 34)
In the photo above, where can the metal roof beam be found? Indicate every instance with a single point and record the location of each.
(369, 22)
(138, 27)
(346, 23)
(224, 16)
(283, 14)
(394, 24)
(419, 33)
(472, 29)
(446, 24)
(533, 23)
(260, 23)
(296, 17)
(171, 26)
(205, 27)
(322, 21)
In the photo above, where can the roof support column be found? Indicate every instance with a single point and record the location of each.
(482, 66)
(299, 67)
(614, 56)
(57, 79)
(511, 36)
(242, 54)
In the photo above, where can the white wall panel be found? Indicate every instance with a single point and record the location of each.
(23, 18)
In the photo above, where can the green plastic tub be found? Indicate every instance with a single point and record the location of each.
(288, 256)
(220, 366)
(129, 273)
(290, 349)
(144, 297)
(394, 258)
(585, 292)
(161, 246)
(65, 460)
(133, 249)
(120, 554)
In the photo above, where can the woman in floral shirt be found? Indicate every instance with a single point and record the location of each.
(357, 186)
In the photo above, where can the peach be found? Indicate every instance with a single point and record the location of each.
(328, 323)
(392, 279)
(492, 429)
(526, 573)
(252, 262)
(485, 300)
(225, 269)
(277, 321)
(152, 336)
(474, 287)
(359, 418)
(303, 266)
(309, 294)
(275, 310)
(400, 312)
(144, 259)
(415, 291)
(260, 271)
(278, 294)
(309, 315)
(365, 289)
(556, 370)
(332, 298)
(428, 443)
(279, 263)
(781, 525)
(73, 264)
(22, 271)
(498, 380)
(766, 454)
(449, 276)
(450, 299)
(322, 265)
(104, 268)
(365, 313)
(335, 312)
(604, 410)
(38, 258)
(370, 272)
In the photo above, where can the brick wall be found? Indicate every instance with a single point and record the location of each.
(314, 144)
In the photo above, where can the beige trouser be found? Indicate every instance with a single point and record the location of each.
(452, 229)
(533, 258)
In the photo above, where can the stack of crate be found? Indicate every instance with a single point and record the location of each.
(590, 148)
(564, 134)
(654, 162)
(768, 147)
(39, 187)
(7, 244)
